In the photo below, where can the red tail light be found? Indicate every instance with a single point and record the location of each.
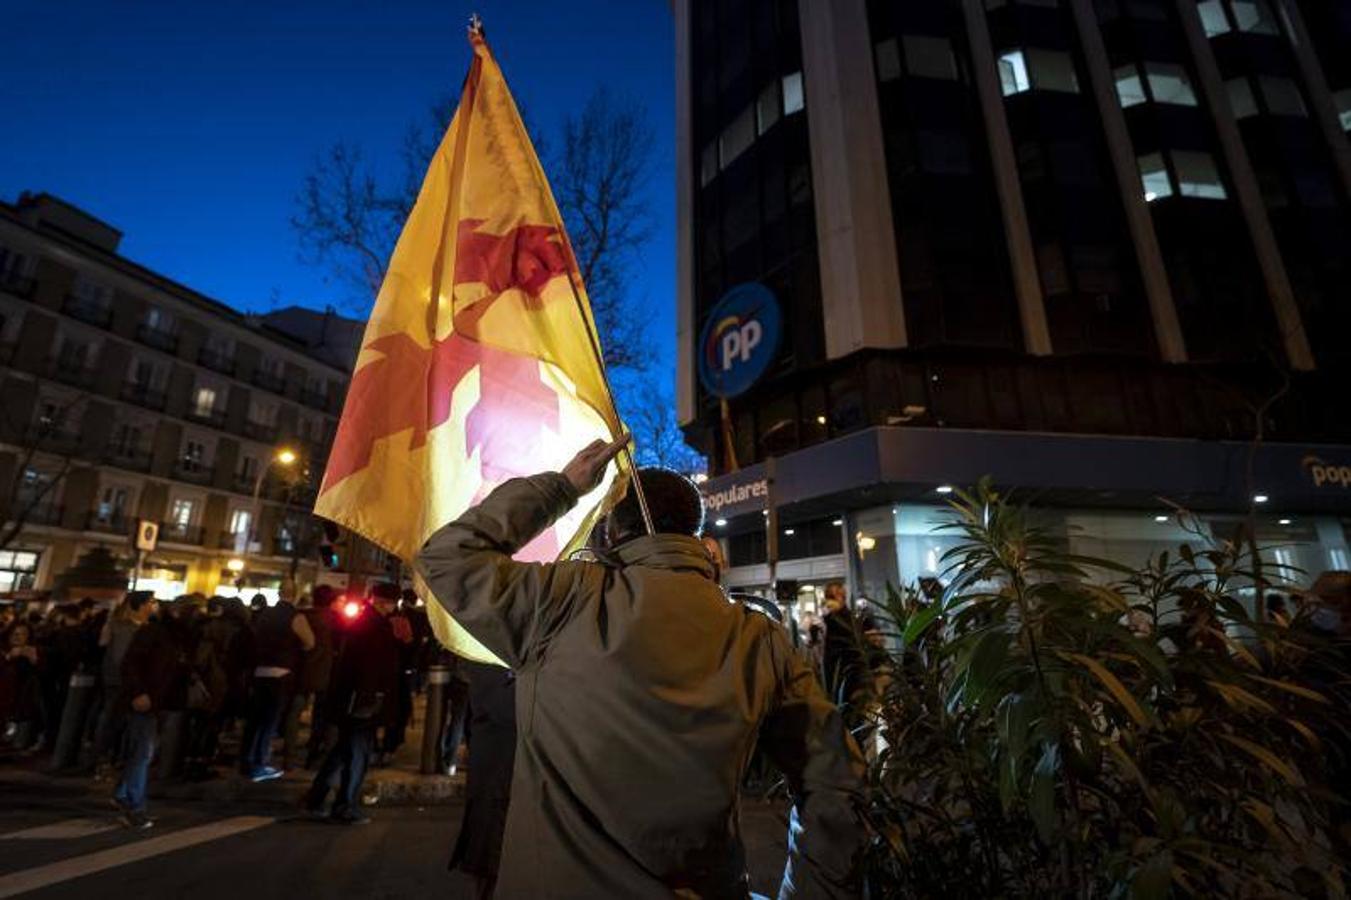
(351, 609)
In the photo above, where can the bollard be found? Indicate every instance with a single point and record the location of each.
(79, 698)
(437, 679)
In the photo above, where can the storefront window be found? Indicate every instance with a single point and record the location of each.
(18, 570)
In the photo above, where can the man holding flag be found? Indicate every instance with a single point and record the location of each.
(641, 691)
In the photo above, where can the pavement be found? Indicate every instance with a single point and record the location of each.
(231, 839)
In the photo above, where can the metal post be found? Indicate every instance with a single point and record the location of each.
(79, 696)
(434, 719)
(772, 535)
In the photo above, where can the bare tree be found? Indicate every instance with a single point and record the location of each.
(649, 411)
(41, 437)
(348, 219)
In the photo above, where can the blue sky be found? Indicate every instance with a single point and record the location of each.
(189, 126)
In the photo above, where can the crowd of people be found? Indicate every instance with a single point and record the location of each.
(203, 684)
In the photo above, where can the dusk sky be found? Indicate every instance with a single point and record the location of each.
(190, 126)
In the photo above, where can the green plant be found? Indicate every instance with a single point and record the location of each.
(1035, 731)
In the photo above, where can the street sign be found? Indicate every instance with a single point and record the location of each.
(740, 340)
(147, 535)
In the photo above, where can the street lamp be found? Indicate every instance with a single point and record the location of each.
(283, 457)
(235, 565)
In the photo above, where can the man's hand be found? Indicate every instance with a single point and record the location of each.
(141, 703)
(588, 467)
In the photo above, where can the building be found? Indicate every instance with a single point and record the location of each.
(127, 397)
(1096, 249)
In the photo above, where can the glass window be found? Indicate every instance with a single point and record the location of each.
(1168, 83)
(929, 57)
(888, 56)
(1241, 98)
(767, 108)
(239, 521)
(708, 163)
(1052, 70)
(204, 403)
(1129, 88)
(182, 511)
(1281, 96)
(1013, 73)
(1254, 16)
(158, 319)
(1343, 100)
(193, 454)
(793, 99)
(1213, 19)
(1197, 175)
(737, 137)
(1154, 177)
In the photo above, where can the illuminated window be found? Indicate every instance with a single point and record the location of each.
(239, 521)
(1168, 83)
(204, 403)
(182, 512)
(793, 99)
(1130, 89)
(1154, 177)
(929, 57)
(737, 137)
(1213, 19)
(1254, 16)
(1197, 175)
(1013, 73)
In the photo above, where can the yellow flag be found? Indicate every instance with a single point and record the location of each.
(478, 362)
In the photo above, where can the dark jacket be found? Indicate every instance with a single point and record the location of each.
(157, 665)
(640, 694)
(368, 666)
(317, 671)
(276, 639)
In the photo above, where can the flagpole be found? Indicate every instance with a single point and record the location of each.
(609, 391)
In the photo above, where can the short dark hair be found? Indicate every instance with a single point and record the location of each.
(136, 599)
(676, 505)
(322, 596)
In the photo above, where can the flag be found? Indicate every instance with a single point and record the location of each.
(479, 362)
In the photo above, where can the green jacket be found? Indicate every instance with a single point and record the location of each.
(641, 693)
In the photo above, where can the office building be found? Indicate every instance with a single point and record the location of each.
(1097, 249)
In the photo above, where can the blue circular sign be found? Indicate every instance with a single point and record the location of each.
(739, 340)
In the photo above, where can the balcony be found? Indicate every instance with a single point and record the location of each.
(143, 395)
(70, 370)
(243, 482)
(116, 523)
(315, 399)
(133, 458)
(177, 533)
(91, 312)
(268, 381)
(217, 362)
(186, 470)
(260, 431)
(157, 338)
(39, 514)
(16, 284)
(213, 417)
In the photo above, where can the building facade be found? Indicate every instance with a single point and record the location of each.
(1097, 249)
(129, 398)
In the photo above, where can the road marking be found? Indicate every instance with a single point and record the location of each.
(71, 828)
(79, 866)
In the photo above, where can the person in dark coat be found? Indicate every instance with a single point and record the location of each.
(492, 754)
(20, 686)
(282, 638)
(361, 699)
(154, 679)
(842, 662)
(316, 675)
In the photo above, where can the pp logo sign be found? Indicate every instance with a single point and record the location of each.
(740, 340)
(1327, 474)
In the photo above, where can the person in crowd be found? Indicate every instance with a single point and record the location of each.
(20, 687)
(842, 660)
(314, 678)
(456, 720)
(639, 660)
(282, 637)
(63, 646)
(487, 787)
(392, 739)
(232, 632)
(115, 638)
(360, 700)
(154, 680)
(1278, 611)
(208, 687)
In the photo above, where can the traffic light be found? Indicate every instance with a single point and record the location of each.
(328, 549)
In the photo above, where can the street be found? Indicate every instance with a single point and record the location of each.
(59, 838)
